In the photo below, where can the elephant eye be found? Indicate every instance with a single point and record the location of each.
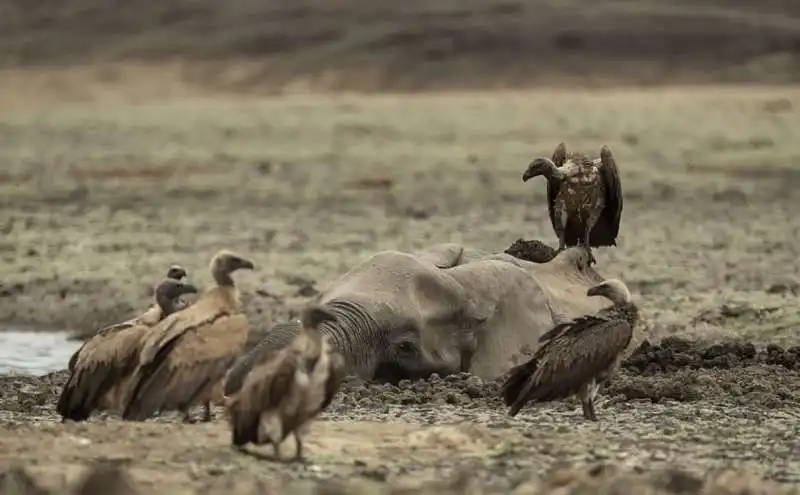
(405, 347)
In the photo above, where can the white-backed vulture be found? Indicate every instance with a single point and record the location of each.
(584, 197)
(101, 372)
(152, 315)
(286, 391)
(577, 355)
(185, 357)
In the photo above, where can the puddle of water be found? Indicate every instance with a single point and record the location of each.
(35, 353)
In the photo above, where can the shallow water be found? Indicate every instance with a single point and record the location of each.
(35, 353)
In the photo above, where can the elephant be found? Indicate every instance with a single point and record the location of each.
(444, 309)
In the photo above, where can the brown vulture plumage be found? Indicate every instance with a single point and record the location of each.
(285, 391)
(584, 197)
(577, 355)
(185, 357)
(101, 370)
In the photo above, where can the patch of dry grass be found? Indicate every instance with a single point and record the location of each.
(102, 197)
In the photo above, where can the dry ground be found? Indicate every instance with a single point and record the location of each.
(255, 44)
(96, 200)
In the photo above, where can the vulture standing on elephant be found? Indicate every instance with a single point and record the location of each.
(99, 375)
(285, 392)
(577, 355)
(185, 357)
(584, 197)
(151, 316)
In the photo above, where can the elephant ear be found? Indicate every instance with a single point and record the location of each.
(449, 317)
(445, 255)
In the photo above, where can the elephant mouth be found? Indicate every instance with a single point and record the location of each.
(393, 372)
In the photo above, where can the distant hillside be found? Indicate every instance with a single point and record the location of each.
(419, 43)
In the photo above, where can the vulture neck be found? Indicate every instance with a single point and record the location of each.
(554, 173)
(222, 278)
(167, 304)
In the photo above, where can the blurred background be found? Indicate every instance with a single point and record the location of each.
(273, 45)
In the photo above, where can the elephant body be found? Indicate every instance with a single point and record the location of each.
(445, 309)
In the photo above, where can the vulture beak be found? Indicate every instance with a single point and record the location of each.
(529, 173)
(597, 290)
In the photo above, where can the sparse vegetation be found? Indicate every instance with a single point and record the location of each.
(139, 134)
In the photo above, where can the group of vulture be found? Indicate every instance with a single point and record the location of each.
(176, 356)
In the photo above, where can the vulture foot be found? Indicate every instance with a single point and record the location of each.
(588, 410)
(207, 414)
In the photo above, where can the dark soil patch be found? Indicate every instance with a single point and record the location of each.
(766, 376)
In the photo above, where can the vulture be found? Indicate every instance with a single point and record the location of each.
(153, 314)
(100, 371)
(584, 197)
(184, 358)
(576, 355)
(286, 390)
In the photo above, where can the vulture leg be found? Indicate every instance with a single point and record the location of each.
(594, 216)
(589, 248)
(276, 448)
(187, 417)
(207, 416)
(561, 228)
(298, 441)
(587, 401)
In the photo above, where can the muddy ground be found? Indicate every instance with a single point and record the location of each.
(97, 200)
(676, 414)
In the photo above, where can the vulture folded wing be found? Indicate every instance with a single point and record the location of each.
(613, 209)
(554, 332)
(589, 346)
(278, 385)
(262, 390)
(107, 359)
(150, 317)
(200, 314)
(552, 191)
(260, 354)
(186, 363)
(559, 158)
(335, 378)
(515, 383)
(73, 360)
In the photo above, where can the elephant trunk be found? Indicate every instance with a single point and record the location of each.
(355, 335)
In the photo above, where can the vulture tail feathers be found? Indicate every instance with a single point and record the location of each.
(516, 382)
(244, 425)
(137, 408)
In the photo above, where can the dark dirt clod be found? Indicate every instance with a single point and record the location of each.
(674, 353)
(534, 250)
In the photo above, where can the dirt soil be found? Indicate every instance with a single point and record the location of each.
(97, 200)
(690, 412)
